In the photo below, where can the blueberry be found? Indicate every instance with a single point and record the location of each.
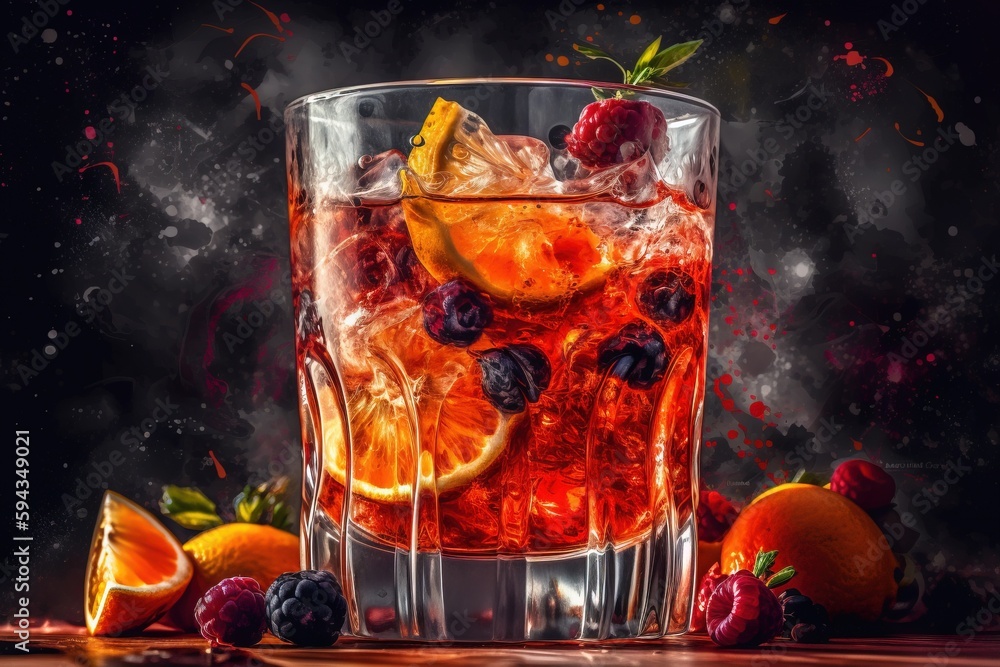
(500, 384)
(514, 375)
(637, 354)
(534, 368)
(666, 296)
(456, 314)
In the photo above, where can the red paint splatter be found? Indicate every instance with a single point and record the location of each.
(728, 404)
(851, 58)
(253, 37)
(772, 271)
(912, 141)
(109, 165)
(732, 206)
(285, 18)
(253, 94)
(888, 66)
(758, 409)
(270, 15)
(219, 470)
(90, 132)
(732, 434)
(775, 20)
(938, 111)
(228, 31)
(857, 445)
(861, 136)
(931, 357)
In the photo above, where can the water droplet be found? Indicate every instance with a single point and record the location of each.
(557, 136)
(416, 140)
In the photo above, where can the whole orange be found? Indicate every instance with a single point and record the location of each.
(234, 550)
(841, 558)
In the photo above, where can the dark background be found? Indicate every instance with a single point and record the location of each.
(850, 319)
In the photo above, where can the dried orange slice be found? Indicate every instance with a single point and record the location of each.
(136, 571)
(460, 435)
(515, 248)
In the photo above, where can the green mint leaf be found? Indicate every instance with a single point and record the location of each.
(250, 504)
(647, 56)
(595, 53)
(642, 75)
(765, 559)
(675, 55)
(189, 507)
(592, 52)
(780, 577)
(804, 477)
(280, 517)
(598, 93)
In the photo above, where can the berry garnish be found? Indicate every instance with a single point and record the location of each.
(666, 296)
(868, 485)
(231, 613)
(715, 515)
(514, 376)
(617, 130)
(306, 608)
(743, 610)
(614, 131)
(709, 583)
(636, 354)
(456, 314)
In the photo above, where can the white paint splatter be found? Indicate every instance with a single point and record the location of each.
(49, 35)
(965, 134)
(169, 231)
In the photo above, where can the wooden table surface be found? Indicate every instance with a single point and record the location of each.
(74, 648)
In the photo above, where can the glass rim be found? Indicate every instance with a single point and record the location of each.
(333, 93)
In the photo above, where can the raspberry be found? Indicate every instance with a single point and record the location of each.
(743, 611)
(231, 613)
(715, 515)
(869, 486)
(306, 608)
(709, 583)
(456, 314)
(614, 131)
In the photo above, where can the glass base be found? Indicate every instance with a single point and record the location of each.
(640, 591)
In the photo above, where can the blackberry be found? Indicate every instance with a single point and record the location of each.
(804, 620)
(456, 314)
(306, 608)
(636, 354)
(231, 613)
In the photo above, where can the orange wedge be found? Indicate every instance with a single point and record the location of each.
(512, 249)
(136, 571)
(462, 432)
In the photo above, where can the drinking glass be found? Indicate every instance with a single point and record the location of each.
(501, 358)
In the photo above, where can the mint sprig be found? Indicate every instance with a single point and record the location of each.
(189, 507)
(265, 503)
(651, 67)
(762, 568)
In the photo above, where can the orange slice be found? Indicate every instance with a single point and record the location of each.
(517, 248)
(462, 435)
(136, 571)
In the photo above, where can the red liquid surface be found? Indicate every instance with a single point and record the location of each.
(594, 462)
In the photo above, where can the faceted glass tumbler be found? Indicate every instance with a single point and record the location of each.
(501, 358)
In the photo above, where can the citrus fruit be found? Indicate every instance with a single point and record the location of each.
(136, 569)
(470, 434)
(234, 550)
(510, 248)
(842, 560)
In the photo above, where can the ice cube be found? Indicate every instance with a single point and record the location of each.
(378, 177)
